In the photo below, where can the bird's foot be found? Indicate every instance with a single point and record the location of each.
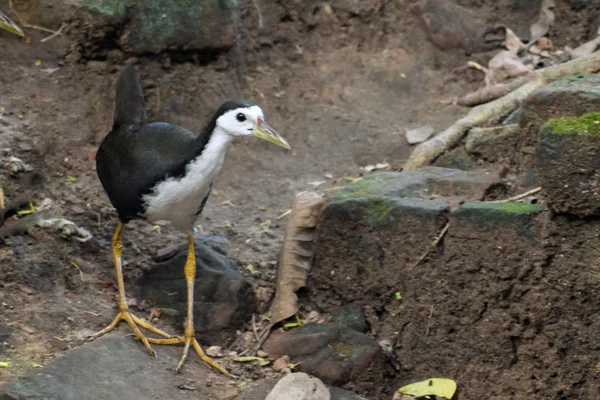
(188, 340)
(133, 323)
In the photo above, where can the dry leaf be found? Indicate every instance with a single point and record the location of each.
(546, 18)
(586, 48)
(504, 66)
(296, 256)
(513, 43)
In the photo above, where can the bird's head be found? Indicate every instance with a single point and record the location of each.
(242, 118)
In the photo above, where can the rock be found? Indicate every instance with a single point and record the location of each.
(376, 227)
(334, 354)
(573, 95)
(341, 394)
(450, 26)
(151, 26)
(223, 299)
(121, 369)
(568, 164)
(352, 316)
(299, 386)
(281, 363)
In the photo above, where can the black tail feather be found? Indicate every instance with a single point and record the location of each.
(130, 108)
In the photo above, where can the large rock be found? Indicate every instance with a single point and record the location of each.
(152, 26)
(376, 227)
(568, 164)
(118, 367)
(573, 95)
(223, 299)
(333, 353)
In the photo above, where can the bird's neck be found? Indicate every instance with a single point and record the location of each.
(213, 153)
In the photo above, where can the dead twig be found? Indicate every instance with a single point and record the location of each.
(429, 320)
(428, 151)
(492, 92)
(260, 19)
(432, 245)
(55, 34)
(519, 196)
(1, 198)
(256, 336)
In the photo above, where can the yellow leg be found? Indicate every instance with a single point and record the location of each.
(189, 338)
(124, 314)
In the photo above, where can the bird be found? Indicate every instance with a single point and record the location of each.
(159, 171)
(7, 24)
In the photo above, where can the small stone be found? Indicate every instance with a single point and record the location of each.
(299, 386)
(166, 252)
(418, 135)
(352, 316)
(281, 363)
(214, 351)
(262, 353)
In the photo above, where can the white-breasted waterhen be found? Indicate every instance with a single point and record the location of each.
(159, 171)
(7, 24)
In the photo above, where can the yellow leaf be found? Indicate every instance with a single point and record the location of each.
(4, 364)
(38, 63)
(261, 361)
(294, 324)
(442, 387)
(31, 210)
(71, 178)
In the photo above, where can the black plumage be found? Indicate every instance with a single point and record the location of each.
(137, 155)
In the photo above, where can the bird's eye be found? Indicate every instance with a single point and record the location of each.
(241, 117)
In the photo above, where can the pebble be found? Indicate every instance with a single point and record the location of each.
(281, 363)
(214, 351)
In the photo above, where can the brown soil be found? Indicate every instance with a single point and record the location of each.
(339, 87)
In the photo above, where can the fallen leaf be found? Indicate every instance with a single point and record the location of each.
(504, 66)
(261, 361)
(442, 387)
(4, 364)
(545, 19)
(296, 256)
(586, 48)
(512, 42)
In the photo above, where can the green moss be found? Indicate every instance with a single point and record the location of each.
(588, 124)
(377, 211)
(366, 187)
(489, 216)
(111, 8)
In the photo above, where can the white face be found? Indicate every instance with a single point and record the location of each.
(241, 121)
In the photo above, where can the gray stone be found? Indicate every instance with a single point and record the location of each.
(299, 386)
(573, 95)
(568, 164)
(117, 367)
(352, 316)
(223, 299)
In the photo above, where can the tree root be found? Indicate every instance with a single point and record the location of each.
(428, 151)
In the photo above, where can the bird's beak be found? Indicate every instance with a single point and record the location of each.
(7, 24)
(264, 131)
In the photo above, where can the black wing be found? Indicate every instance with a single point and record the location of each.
(132, 160)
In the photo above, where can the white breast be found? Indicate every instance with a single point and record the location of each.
(178, 200)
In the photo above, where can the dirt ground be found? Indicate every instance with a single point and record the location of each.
(339, 87)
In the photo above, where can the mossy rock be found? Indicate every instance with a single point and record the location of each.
(151, 26)
(588, 124)
(422, 183)
(488, 216)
